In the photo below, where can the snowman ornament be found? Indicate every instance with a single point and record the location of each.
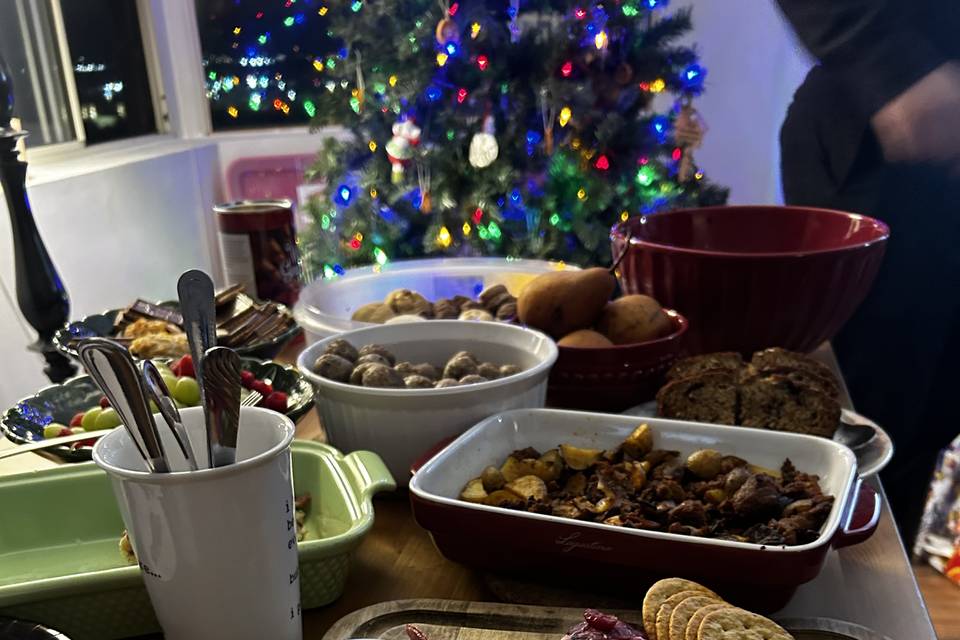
(406, 136)
(483, 146)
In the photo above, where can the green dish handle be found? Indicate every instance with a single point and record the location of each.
(369, 474)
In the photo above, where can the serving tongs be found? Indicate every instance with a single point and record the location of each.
(112, 368)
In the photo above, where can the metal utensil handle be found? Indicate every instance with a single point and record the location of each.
(159, 392)
(53, 442)
(198, 308)
(222, 383)
(112, 368)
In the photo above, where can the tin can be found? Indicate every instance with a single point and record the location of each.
(258, 245)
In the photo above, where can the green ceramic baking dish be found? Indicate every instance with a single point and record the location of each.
(60, 563)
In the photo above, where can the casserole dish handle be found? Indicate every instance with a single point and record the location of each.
(429, 454)
(862, 519)
(369, 475)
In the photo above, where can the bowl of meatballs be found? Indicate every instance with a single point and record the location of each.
(398, 389)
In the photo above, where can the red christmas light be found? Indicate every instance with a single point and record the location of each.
(580, 13)
(644, 86)
(642, 160)
(453, 9)
(566, 69)
(602, 163)
(676, 154)
(277, 104)
(461, 95)
(477, 215)
(354, 244)
(259, 14)
(482, 62)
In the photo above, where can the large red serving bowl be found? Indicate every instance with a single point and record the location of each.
(752, 277)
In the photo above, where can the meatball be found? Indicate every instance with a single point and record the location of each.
(472, 379)
(379, 350)
(445, 310)
(405, 368)
(379, 375)
(333, 367)
(356, 377)
(507, 312)
(447, 382)
(476, 314)
(343, 349)
(373, 357)
(417, 382)
(405, 301)
(489, 370)
(509, 370)
(427, 370)
(460, 366)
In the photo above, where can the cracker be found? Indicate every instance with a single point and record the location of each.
(736, 624)
(666, 609)
(682, 613)
(658, 593)
(690, 633)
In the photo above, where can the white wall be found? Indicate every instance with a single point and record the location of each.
(753, 67)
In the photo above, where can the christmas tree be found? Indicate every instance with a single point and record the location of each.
(520, 128)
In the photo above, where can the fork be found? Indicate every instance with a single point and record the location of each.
(252, 399)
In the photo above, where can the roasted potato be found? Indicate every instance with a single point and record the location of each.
(514, 468)
(578, 458)
(492, 478)
(474, 491)
(576, 485)
(638, 475)
(504, 498)
(640, 442)
(528, 487)
(705, 463)
(714, 496)
(566, 510)
(773, 473)
(549, 466)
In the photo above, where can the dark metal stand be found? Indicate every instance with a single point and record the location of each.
(40, 293)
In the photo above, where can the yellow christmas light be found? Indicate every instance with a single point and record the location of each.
(373, 193)
(624, 216)
(322, 11)
(233, 111)
(560, 265)
(358, 236)
(698, 175)
(600, 40)
(589, 154)
(467, 228)
(392, 80)
(443, 238)
(576, 143)
(657, 85)
(565, 114)
(474, 30)
(318, 65)
(372, 146)
(582, 193)
(442, 59)
(236, 31)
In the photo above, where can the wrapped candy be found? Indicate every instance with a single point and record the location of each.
(406, 136)
(938, 542)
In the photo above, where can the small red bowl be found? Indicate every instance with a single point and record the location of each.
(615, 378)
(752, 277)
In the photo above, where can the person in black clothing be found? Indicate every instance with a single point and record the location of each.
(875, 129)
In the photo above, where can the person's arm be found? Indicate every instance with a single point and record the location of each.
(897, 78)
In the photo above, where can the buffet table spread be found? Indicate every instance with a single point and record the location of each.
(871, 584)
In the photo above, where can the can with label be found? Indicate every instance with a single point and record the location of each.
(258, 245)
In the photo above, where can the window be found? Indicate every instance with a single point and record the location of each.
(263, 61)
(79, 69)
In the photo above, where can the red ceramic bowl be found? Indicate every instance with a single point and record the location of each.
(753, 277)
(615, 378)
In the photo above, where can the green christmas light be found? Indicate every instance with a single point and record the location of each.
(331, 63)
(310, 108)
(494, 230)
(629, 10)
(646, 175)
(253, 104)
(355, 104)
(212, 75)
(328, 272)
(555, 219)
(379, 256)
(325, 222)
(484, 234)
(379, 87)
(262, 39)
(450, 134)
(288, 21)
(356, 6)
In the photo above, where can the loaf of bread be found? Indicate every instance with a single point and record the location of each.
(777, 389)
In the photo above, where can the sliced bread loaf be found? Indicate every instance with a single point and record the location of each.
(710, 396)
(787, 403)
(687, 367)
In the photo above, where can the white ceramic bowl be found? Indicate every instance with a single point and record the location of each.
(402, 424)
(325, 306)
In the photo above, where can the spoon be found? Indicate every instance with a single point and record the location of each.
(222, 392)
(197, 306)
(160, 394)
(112, 368)
(853, 433)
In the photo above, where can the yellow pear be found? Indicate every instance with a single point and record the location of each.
(561, 302)
(632, 319)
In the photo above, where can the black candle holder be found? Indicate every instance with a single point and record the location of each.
(42, 299)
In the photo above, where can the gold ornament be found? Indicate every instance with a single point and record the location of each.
(447, 31)
(688, 131)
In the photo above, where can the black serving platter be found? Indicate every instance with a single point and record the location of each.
(23, 423)
(102, 325)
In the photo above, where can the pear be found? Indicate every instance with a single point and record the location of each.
(632, 319)
(561, 302)
(585, 339)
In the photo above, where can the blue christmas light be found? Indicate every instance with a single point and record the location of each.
(452, 49)
(692, 77)
(657, 4)
(500, 202)
(533, 137)
(337, 269)
(660, 125)
(515, 196)
(433, 93)
(298, 18)
(344, 195)
(251, 52)
(342, 53)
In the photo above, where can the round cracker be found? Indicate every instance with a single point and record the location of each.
(682, 613)
(693, 626)
(736, 624)
(658, 593)
(666, 610)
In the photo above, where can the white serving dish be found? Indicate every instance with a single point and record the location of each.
(325, 306)
(401, 424)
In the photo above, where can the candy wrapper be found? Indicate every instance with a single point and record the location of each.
(938, 542)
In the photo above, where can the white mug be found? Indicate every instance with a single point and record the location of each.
(217, 547)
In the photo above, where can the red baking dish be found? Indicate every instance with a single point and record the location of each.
(752, 277)
(615, 378)
(596, 554)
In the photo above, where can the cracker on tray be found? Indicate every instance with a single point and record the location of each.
(658, 594)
